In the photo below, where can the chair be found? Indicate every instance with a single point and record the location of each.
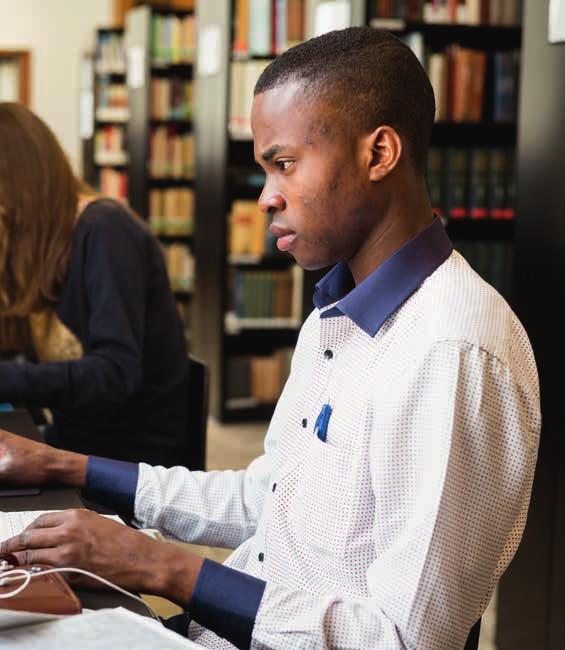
(198, 400)
(473, 638)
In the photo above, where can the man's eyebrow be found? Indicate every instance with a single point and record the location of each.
(272, 151)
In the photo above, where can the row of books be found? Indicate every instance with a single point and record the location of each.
(112, 101)
(243, 77)
(263, 294)
(255, 378)
(171, 211)
(114, 183)
(172, 153)
(248, 234)
(171, 99)
(493, 260)
(474, 183)
(109, 146)
(267, 27)
(173, 38)
(466, 12)
(9, 80)
(458, 77)
(180, 266)
(110, 57)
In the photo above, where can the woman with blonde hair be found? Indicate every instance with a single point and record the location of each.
(84, 285)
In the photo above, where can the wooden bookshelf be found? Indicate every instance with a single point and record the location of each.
(162, 187)
(15, 79)
(105, 115)
(226, 172)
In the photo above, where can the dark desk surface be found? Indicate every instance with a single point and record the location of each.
(57, 498)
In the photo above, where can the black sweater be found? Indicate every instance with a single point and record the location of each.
(126, 398)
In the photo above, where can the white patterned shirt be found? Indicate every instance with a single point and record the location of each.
(392, 533)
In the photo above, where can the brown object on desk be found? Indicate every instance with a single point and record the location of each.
(48, 594)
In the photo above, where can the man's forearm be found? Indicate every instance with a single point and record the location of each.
(66, 467)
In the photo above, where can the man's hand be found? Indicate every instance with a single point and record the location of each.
(85, 540)
(26, 462)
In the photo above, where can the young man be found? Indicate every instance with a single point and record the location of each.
(398, 464)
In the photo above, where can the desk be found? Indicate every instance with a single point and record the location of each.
(58, 498)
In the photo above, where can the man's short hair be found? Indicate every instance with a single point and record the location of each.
(369, 74)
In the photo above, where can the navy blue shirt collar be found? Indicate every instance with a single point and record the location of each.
(381, 293)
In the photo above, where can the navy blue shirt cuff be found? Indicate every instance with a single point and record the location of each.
(226, 601)
(112, 483)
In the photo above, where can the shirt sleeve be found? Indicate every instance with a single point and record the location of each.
(215, 508)
(449, 527)
(231, 616)
(112, 483)
(114, 277)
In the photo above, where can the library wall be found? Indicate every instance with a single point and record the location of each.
(56, 34)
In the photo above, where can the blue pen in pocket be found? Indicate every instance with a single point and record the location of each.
(322, 421)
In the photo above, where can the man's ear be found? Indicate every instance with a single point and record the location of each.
(384, 148)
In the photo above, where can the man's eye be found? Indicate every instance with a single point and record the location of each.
(283, 165)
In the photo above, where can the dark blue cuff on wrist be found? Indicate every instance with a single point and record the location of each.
(112, 483)
(226, 602)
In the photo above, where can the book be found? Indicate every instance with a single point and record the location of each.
(434, 178)
(247, 226)
(456, 183)
(498, 179)
(438, 74)
(260, 22)
(505, 86)
(478, 183)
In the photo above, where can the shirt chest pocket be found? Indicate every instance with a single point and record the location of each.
(321, 509)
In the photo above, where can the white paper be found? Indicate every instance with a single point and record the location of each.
(556, 27)
(104, 629)
(10, 619)
(12, 523)
(209, 54)
(136, 67)
(332, 15)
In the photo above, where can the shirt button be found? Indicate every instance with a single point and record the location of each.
(304, 423)
(274, 486)
(328, 354)
(261, 557)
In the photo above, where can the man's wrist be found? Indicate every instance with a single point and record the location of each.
(174, 573)
(66, 467)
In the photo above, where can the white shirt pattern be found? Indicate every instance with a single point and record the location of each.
(393, 533)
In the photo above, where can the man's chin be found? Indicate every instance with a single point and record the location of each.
(311, 265)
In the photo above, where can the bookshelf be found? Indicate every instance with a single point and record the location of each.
(15, 76)
(105, 114)
(160, 45)
(471, 52)
(227, 177)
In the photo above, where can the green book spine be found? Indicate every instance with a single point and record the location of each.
(478, 183)
(434, 177)
(510, 184)
(497, 189)
(456, 182)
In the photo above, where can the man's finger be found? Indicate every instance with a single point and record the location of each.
(32, 539)
(37, 556)
(48, 520)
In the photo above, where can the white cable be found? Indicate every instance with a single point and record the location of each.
(14, 575)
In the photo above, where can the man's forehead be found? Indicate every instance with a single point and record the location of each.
(284, 113)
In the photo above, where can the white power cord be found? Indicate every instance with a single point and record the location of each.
(15, 575)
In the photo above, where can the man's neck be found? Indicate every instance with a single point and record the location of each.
(404, 220)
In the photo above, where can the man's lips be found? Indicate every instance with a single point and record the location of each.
(285, 237)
